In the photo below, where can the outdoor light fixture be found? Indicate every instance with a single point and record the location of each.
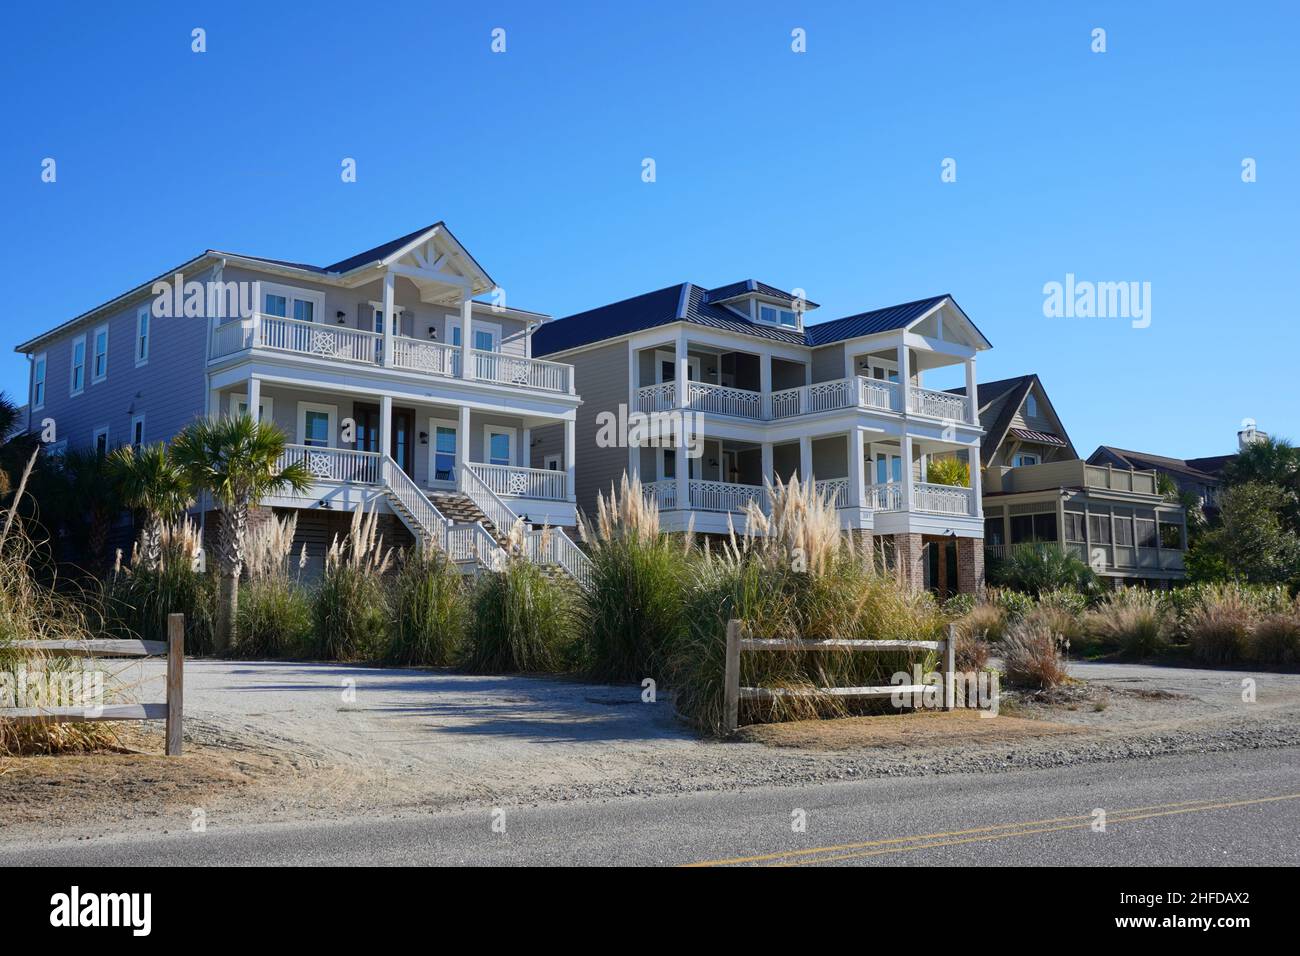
(341, 316)
(433, 332)
(424, 438)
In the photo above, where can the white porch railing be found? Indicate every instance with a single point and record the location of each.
(553, 546)
(503, 369)
(657, 398)
(334, 464)
(513, 481)
(724, 495)
(879, 393)
(435, 358)
(721, 400)
(662, 493)
(837, 488)
(231, 337)
(468, 541)
(943, 499)
(316, 338)
(840, 393)
(885, 497)
(924, 401)
(488, 501)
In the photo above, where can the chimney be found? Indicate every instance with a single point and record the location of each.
(1249, 434)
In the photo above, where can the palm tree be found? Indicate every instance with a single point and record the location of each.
(1268, 461)
(151, 482)
(237, 461)
(87, 501)
(15, 447)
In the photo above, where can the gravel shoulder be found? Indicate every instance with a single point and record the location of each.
(301, 741)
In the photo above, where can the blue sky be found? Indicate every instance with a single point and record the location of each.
(818, 170)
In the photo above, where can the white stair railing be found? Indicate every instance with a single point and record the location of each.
(487, 501)
(430, 526)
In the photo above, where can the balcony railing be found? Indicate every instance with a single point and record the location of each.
(706, 495)
(334, 464)
(357, 346)
(885, 497)
(945, 405)
(720, 400)
(837, 489)
(512, 481)
(943, 499)
(1103, 557)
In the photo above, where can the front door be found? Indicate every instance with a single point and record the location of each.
(402, 434)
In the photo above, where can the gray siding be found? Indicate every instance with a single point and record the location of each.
(601, 377)
(828, 363)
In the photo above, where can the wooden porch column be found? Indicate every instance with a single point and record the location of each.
(390, 283)
(855, 468)
(386, 425)
(467, 368)
(634, 386)
(526, 447)
(765, 457)
(765, 384)
(254, 398)
(904, 379)
(682, 464)
(976, 480)
(972, 393)
(570, 454)
(908, 481)
(805, 459)
(462, 446)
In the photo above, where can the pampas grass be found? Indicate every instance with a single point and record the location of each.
(429, 599)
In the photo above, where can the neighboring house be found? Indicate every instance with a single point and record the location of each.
(1038, 493)
(1200, 477)
(840, 401)
(427, 415)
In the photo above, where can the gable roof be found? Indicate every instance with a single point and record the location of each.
(1007, 396)
(688, 302)
(1206, 469)
(370, 257)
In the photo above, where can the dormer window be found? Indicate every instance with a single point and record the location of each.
(778, 316)
(1031, 406)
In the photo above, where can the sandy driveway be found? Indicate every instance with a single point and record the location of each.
(322, 741)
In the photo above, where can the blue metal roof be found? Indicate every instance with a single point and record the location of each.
(735, 290)
(687, 302)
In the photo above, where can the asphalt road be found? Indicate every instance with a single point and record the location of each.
(1234, 809)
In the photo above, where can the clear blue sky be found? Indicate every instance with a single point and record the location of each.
(819, 170)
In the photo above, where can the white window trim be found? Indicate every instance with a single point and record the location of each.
(1037, 459)
(481, 326)
(267, 403)
(72, 366)
(374, 319)
(94, 439)
(487, 445)
(662, 355)
(43, 361)
(1031, 406)
(760, 305)
(96, 378)
(137, 420)
(559, 463)
(331, 410)
(291, 292)
(142, 320)
(434, 425)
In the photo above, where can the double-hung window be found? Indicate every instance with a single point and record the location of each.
(39, 365)
(142, 320)
(771, 314)
(316, 424)
(444, 451)
(77, 376)
(99, 371)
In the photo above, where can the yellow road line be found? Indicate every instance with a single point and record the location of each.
(988, 833)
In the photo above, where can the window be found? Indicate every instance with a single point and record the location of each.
(1099, 528)
(39, 366)
(276, 305)
(1074, 529)
(100, 369)
(1025, 459)
(770, 313)
(377, 317)
(1146, 532)
(888, 468)
(288, 302)
(498, 445)
(316, 424)
(265, 407)
(99, 441)
(1031, 406)
(304, 310)
(142, 319)
(1124, 531)
(442, 454)
(553, 463)
(993, 531)
(1171, 536)
(1026, 528)
(77, 376)
(137, 431)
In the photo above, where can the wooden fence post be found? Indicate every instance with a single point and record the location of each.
(950, 669)
(175, 681)
(731, 679)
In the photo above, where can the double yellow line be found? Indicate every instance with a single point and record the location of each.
(1001, 831)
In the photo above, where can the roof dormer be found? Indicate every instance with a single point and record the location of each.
(760, 302)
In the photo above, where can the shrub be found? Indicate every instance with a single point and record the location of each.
(1218, 627)
(1039, 569)
(985, 621)
(137, 600)
(521, 621)
(948, 471)
(1014, 604)
(971, 654)
(959, 605)
(1275, 640)
(275, 619)
(1066, 625)
(1132, 621)
(429, 607)
(350, 612)
(1064, 599)
(634, 602)
(1031, 655)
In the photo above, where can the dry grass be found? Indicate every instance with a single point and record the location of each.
(1218, 628)
(1133, 621)
(984, 621)
(362, 549)
(1031, 654)
(1275, 640)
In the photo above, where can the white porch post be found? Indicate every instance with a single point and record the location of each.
(462, 446)
(765, 456)
(972, 393)
(570, 454)
(634, 378)
(254, 398)
(214, 404)
(855, 468)
(765, 384)
(386, 425)
(682, 464)
(805, 459)
(977, 486)
(390, 283)
(526, 447)
(467, 369)
(908, 479)
(904, 380)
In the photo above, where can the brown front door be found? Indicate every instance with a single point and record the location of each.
(403, 434)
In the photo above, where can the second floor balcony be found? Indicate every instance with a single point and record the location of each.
(856, 392)
(349, 346)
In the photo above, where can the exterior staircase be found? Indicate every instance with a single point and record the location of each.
(461, 508)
